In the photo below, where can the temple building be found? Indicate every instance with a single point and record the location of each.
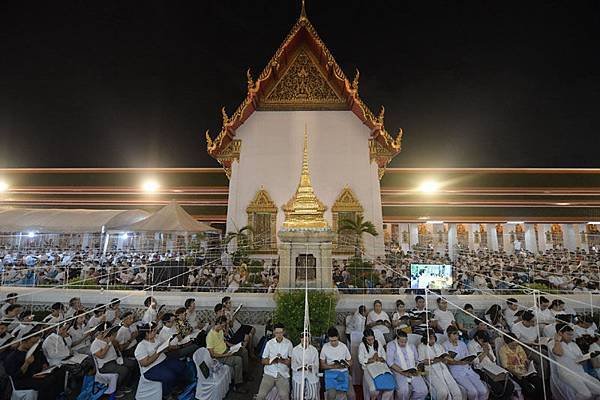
(260, 145)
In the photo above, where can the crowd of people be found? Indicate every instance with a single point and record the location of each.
(91, 267)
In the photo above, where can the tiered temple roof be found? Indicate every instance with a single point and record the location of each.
(303, 75)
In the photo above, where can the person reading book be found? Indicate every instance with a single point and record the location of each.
(25, 369)
(460, 366)
(378, 320)
(371, 351)
(434, 357)
(568, 354)
(514, 359)
(276, 360)
(217, 347)
(103, 349)
(334, 361)
(500, 385)
(402, 358)
(305, 365)
(154, 364)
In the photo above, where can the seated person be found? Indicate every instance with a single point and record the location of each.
(155, 365)
(113, 311)
(442, 315)
(104, 351)
(514, 359)
(57, 345)
(126, 335)
(501, 389)
(371, 351)
(435, 358)
(218, 349)
(332, 353)
(402, 357)
(237, 332)
(464, 319)
(23, 370)
(568, 354)
(461, 371)
(98, 317)
(151, 314)
(79, 333)
(418, 323)
(526, 331)
(378, 320)
(276, 359)
(309, 370)
(56, 315)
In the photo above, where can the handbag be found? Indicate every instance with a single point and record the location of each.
(385, 381)
(335, 379)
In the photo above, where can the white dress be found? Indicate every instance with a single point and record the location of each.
(441, 382)
(574, 375)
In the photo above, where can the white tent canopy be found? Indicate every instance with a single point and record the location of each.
(170, 218)
(65, 221)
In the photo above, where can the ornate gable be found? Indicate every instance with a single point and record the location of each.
(347, 202)
(303, 86)
(262, 203)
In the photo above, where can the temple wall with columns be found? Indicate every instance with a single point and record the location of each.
(338, 153)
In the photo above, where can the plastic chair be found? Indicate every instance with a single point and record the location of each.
(216, 386)
(110, 380)
(22, 394)
(147, 389)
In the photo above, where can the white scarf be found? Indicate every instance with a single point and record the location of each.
(411, 356)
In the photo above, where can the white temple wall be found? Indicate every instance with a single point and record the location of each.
(271, 156)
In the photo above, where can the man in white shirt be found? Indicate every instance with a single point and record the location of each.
(543, 314)
(331, 353)
(276, 360)
(443, 316)
(126, 335)
(526, 330)
(57, 346)
(512, 306)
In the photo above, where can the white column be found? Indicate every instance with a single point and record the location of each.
(530, 243)
(579, 240)
(569, 236)
(507, 241)
(452, 241)
(413, 234)
(471, 229)
(543, 244)
(492, 237)
(403, 244)
(85, 241)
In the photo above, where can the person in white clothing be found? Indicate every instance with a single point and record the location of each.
(79, 333)
(568, 354)
(443, 316)
(378, 320)
(113, 311)
(305, 364)
(370, 351)
(57, 346)
(11, 298)
(399, 313)
(151, 313)
(336, 358)
(542, 312)
(402, 359)
(276, 360)
(442, 384)
(106, 356)
(56, 315)
(126, 335)
(512, 307)
(527, 331)
(156, 366)
(98, 318)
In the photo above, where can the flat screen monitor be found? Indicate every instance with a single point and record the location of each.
(430, 276)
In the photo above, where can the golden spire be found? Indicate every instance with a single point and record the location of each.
(303, 11)
(304, 210)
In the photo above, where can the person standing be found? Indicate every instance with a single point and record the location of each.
(276, 359)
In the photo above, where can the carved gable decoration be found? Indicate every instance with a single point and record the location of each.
(262, 203)
(303, 86)
(347, 202)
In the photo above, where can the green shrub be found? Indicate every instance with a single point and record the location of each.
(290, 312)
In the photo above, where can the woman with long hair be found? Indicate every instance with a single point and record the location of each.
(441, 383)
(370, 351)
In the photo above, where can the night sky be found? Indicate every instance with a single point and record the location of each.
(136, 84)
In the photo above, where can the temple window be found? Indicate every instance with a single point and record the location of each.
(262, 217)
(346, 206)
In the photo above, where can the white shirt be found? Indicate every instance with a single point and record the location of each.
(543, 317)
(444, 318)
(475, 348)
(94, 322)
(579, 331)
(525, 334)
(311, 357)
(76, 335)
(146, 348)
(149, 315)
(373, 317)
(358, 322)
(364, 354)
(509, 316)
(124, 334)
(110, 355)
(330, 354)
(167, 333)
(56, 348)
(110, 315)
(272, 349)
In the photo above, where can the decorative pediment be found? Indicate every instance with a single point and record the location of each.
(230, 154)
(262, 203)
(303, 86)
(347, 202)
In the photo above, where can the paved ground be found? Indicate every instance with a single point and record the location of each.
(252, 387)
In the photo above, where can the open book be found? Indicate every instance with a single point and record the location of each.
(234, 349)
(492, 367)
(75, 359)
(32, 350)
(45, 372)
(189, 337)
(469, 358)
(588, 356)
(342, 363)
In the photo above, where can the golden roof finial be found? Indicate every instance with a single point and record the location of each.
(209, 142)
(303, 11)
(304, 210)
